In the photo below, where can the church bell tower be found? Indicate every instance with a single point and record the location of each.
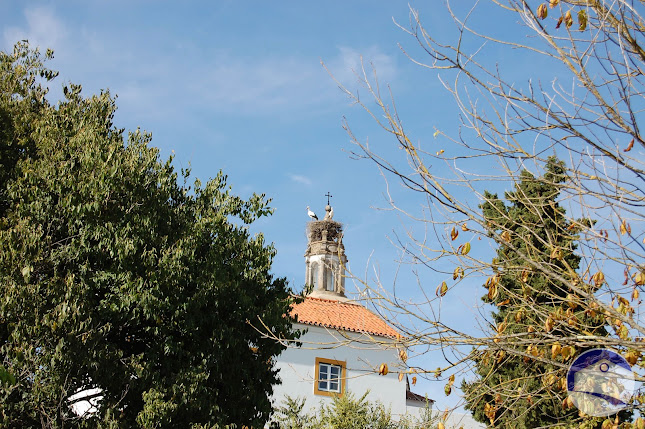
(325, 258)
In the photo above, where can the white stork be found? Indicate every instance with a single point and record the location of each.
(311, 214)
(330, 214)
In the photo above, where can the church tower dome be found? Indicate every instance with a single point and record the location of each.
(325, 258)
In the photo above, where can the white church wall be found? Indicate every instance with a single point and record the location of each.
(361, 355)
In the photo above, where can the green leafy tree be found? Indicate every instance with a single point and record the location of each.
(347, 412)
(531, 232)
(117, 277)
(291, 416)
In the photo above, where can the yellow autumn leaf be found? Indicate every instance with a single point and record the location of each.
(572, 300)
(632, 357)
(451, 379)
(553, 3)
(542, 11)
(548, 325)
(562, 384)
(598, 278)
(447, 389)
(441, 289)
(500, 356)
(506, 236)
(492, 292)
(401, 375)
(622, 300)
(519, 315)
(639, 278)
(635, 294)
(549, 379)
(622, 332)
(414, 380)
(555, 350)
(383, 370)
(501, 327)
(458, 273)
(623, 228)
(582, 20)
(403, 355)
(465, 248)
(567, 352)
(454, 233)
(567, 403)
(568, 20)
(464, 227)
(490, 411)
(492, 281)
(533, 350)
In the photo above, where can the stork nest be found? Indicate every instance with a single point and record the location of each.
(315, 228)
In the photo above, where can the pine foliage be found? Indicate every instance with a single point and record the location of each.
(531, 309)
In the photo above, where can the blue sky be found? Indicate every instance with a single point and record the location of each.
(239, 86)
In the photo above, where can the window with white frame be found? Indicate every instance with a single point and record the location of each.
(330, 377)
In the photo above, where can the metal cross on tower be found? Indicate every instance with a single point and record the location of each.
(328, 195)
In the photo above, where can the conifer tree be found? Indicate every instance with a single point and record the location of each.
(531, 310)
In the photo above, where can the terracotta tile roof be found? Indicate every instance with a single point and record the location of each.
(341, 315)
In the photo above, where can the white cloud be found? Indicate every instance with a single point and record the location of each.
(43, 29)
(300, 179)
(259, 83)
(352, 64)
(262, 85)
(185, 78)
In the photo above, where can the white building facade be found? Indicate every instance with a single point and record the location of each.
(346, 344)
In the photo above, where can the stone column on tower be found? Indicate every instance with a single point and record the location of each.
(325, 258)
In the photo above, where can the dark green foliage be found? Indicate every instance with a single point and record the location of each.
(346, 412)
(114, 276)
(291, 416)
(517, 385)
